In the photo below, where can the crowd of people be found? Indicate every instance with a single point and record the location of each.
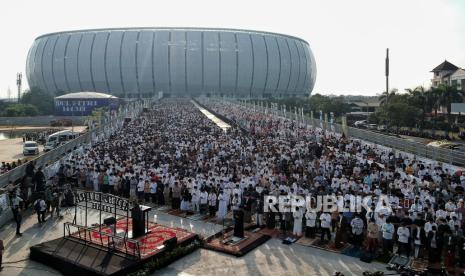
(174, 155)
(8, 166)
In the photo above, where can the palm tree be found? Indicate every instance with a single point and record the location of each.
(385, 96)
(418, 98)
(432, 100)
(448, 95)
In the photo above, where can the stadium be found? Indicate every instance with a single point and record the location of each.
(145, 62)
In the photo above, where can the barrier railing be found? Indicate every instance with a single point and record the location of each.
(453, 157)
(108, 124)
(92, 235)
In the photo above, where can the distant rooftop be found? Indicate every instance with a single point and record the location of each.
(445, 66)
(85, 95)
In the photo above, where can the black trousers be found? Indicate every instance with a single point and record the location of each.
(404, 248)
(212, 210)
(18, 219)
(41, 216)
(175, 203)
(154, 198)
(310, 232)
(325, 231)
(357, 240)
(387, 245)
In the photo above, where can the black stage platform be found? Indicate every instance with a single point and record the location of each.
(89, 252)
(74, 258)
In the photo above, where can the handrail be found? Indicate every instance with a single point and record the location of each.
(449, 156)
(110, 237)
(57, 153)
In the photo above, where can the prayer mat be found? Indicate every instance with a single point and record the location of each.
(274, 233)
(305, 241)
(352, 251)
(163, 208)
(177, 212)
(197, 217)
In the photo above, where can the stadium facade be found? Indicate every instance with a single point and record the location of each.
(142, 62)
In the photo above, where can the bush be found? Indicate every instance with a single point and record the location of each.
(16, 110)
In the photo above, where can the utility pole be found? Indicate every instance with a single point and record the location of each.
(387, 75)
(8, 93)
(19, 80)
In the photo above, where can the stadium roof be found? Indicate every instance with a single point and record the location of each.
(85, 95)
(174, 29)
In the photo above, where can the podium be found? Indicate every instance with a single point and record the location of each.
(140, 220)
(238, 223)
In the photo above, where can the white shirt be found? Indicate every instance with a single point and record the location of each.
(140, 186)
(212, 199)
(310, 219)
(153, 187)
(203, 197)
(325, 220)
(403, 234)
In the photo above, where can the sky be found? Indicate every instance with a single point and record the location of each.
(348, 37)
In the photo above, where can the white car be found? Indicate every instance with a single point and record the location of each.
(362, 123)
(30, 148)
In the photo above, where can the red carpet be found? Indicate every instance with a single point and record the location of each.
(148, 244)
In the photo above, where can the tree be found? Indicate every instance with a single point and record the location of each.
(432, 99)
(398, 111)
(16, 110)
(418, 99)
(385, 96)
(448, 95)
(43, 101)
(337, 105)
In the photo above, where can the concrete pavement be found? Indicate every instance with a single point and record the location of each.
(271, 258)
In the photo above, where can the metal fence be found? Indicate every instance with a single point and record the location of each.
(92, 235)
(109, 122)
(453, 157)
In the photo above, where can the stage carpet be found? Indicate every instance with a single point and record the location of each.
(148, 244)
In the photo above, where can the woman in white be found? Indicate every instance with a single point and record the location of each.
(297, 231)
(222, 206)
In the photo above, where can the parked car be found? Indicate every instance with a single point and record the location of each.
(443, 144)
(57, 138)
(361, 123)
(372, 126)
(30, 148)
(382, 128)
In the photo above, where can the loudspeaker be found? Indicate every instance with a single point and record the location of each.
(171, 243)
(109, 221)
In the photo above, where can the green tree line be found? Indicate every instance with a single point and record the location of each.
(33, 102)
